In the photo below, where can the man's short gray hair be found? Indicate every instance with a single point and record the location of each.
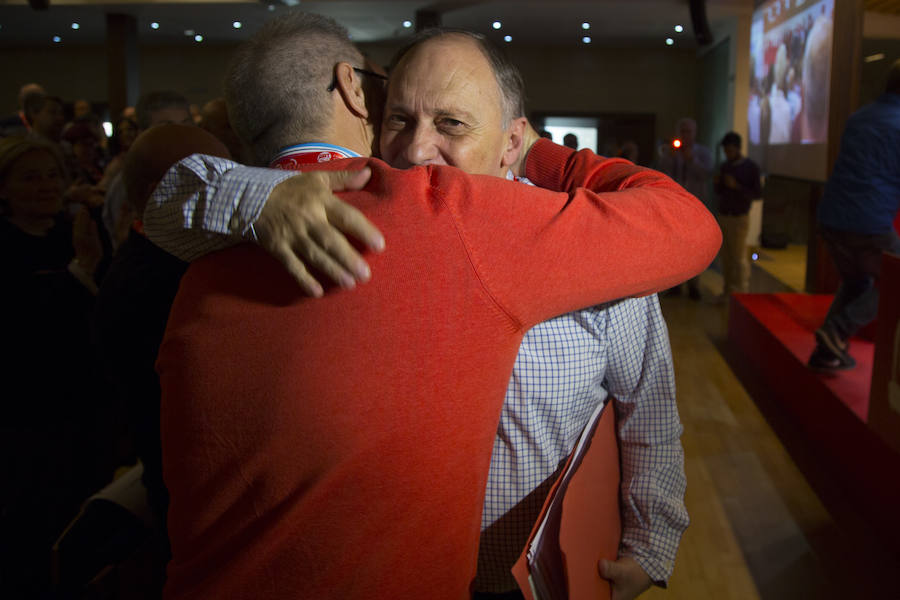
(509, 79)
(276, 86)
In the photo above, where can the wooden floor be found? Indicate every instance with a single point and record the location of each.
(759, 528)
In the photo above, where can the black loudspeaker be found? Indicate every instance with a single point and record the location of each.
(39, 4)
(698, 20)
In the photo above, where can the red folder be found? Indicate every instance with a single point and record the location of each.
(579, 523)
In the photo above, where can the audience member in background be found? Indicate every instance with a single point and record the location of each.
(737, 185)
(691, 165)
(570, 140)
(812, 124)
(125, 131)
(55, 430)
(545, 134)
(153, 108)
(85, 156)
(856, 217)
(17, 124)
(214, 119)
(81, 109)
(45, 116)
(133, 307)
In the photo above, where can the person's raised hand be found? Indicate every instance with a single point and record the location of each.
(628, 580)
(86, 241)
(305, 226)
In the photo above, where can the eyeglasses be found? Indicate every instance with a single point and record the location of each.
(378, 76)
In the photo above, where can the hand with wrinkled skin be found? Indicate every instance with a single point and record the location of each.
(626, 576)
(304, 225)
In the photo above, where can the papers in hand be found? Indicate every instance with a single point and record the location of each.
(579, 523)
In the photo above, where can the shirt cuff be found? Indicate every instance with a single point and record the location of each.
(245, 191)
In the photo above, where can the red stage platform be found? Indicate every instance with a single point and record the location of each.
(770, 338)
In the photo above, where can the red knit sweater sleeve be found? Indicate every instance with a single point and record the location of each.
(615, 230)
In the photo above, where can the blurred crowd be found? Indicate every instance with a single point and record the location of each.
(65, 210)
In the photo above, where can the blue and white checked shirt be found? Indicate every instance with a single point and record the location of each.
(565, 367)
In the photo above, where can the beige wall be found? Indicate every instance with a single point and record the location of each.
(588, 80)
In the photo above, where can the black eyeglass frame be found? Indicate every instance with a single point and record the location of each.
(333, 84)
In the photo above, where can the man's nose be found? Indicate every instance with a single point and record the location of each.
(422, 149)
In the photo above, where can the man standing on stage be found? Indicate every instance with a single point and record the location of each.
(856, 219)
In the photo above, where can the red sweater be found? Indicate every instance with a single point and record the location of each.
(339, 448)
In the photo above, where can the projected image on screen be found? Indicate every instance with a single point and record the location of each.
(790, 82)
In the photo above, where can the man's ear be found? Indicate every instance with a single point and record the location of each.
(350, 86)
(514, 143)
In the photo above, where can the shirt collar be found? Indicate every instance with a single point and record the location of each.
(291, 157)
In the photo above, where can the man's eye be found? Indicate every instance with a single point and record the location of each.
(451, 126)
(396, 121)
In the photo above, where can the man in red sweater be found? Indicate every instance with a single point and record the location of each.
(314, 461)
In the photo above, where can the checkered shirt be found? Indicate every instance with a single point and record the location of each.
(565, 367)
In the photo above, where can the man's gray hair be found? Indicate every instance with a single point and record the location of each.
(276, 88)
(509, 79)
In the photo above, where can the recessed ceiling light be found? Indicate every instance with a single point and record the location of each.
(407, 24)
(497, 25)
(76, 26)
(679, 29)
(237, 24)
(586, 39)
(669, 41)
(874, 57)
(56, 39)
(585, 25)
(198, 38)
(154, 25)
(507, 38)
(188, 32)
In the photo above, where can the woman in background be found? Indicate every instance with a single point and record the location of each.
(54, 429)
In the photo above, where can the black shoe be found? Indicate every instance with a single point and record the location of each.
(824, 360)
(830, 340)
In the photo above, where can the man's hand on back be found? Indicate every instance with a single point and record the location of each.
(304, 225)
